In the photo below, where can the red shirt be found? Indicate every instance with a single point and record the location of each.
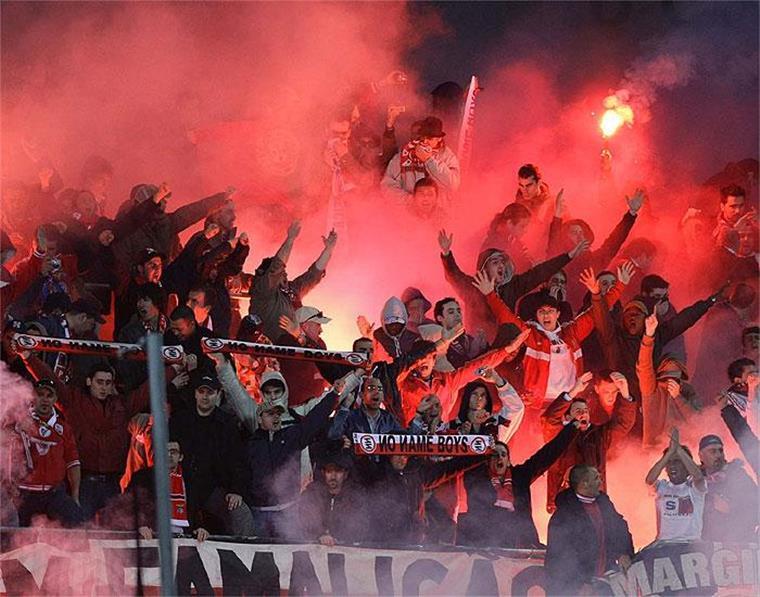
(47, 449)
(100, 426)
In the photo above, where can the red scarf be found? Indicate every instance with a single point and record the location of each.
(503, 486)
(178, 498)
(408, 160)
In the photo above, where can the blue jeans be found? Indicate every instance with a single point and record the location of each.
(95, 491)
(56, 504)
(284, 524)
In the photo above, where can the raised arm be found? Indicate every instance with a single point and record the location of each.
(601, 258)
(454, 275)
(742, 434)
(499, 308)
(584, 322)
(548, 454)
(324, 257)
(283, 253)
(243, 405)
(686, 318)
(645, 364)
(187, 215)
(659, 466)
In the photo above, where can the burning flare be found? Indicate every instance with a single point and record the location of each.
(616, 114)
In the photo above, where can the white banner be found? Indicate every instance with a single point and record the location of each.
(384, 444)
(61, 563)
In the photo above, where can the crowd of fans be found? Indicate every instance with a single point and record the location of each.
(579, 350)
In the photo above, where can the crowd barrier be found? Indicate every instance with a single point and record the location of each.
(61, 562)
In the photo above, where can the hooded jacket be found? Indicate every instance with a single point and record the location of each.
(239, 403)
(410, 294)
(477, 313)
(572, 547)
(394, 311)
(660, 412)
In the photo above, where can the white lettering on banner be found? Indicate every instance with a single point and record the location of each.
(680, 568)
(417, 444)
(171, 354)
(242, 568)
(225, 345)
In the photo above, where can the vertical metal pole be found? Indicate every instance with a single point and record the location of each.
(157, 379)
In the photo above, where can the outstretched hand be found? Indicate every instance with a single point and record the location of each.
(484, 283)
(365, 327)
(290, 326)
(581, 247)
(635, 202)
(444, 241)
(589, 280)
(626, 271)
(294, 229)
(650, 324)
(330, 240)
(581, 383)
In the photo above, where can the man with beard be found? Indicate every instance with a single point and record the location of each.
(332, 508)
(497, 266)
(273, 295)
(731, 509)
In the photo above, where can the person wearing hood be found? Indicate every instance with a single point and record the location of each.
(333, 508)
(565, 235)
(603, 422)
(587, 535)
(667, 400)
(477, 414)
(214, 466)
(273, 294)
(498, 266)
(273, 458)
(499, 511)
(395, 337)
(422, 379)
(159, 229)
(417, 306)
(731, 507)
(553, 360)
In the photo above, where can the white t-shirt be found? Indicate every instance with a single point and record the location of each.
(679, 510)
(562, 371)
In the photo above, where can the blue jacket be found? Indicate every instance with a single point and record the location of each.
(348, 422)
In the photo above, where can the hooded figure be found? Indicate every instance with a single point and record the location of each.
(394, 336)
(510, 285)
(660, 410)
(416, 312)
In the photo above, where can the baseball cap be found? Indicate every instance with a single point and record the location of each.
(305, 314)
(709, 440)
(89, 308)
(267, 405)
(146, 255)
(45, 382)
(637, 305)
(206, 380)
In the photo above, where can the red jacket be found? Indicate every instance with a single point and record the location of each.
(538, 346)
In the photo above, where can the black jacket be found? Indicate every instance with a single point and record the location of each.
(487, 525)
(342, 516)
(274, 458)
(742, 434)
(397, 497)
(573, 549)
(213, 453)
